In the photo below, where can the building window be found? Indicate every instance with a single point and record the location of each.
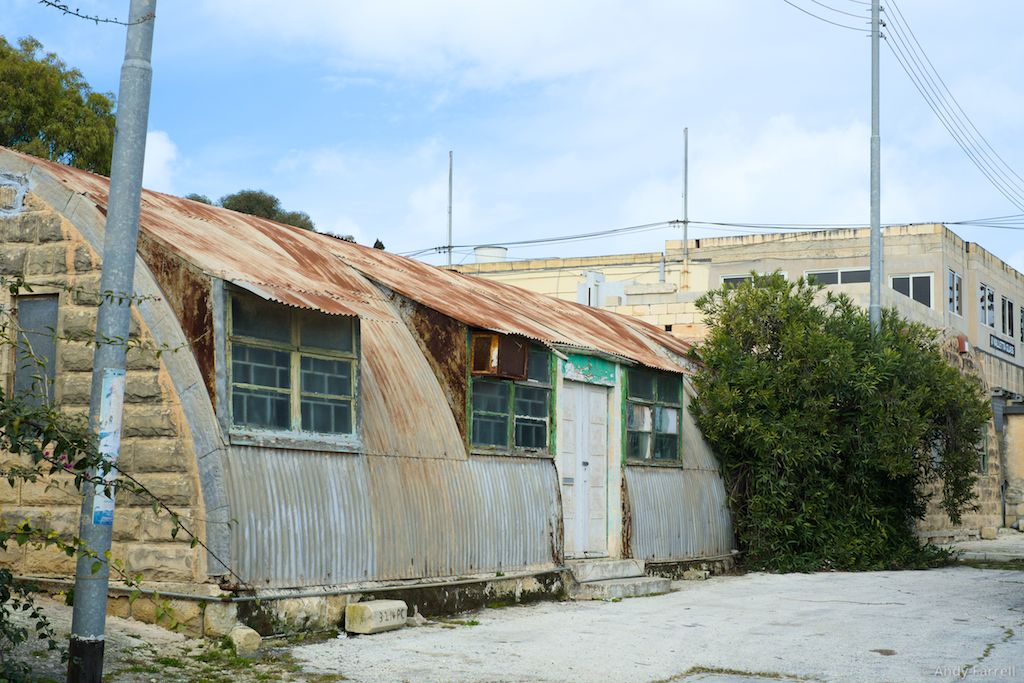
(1006, 308)
(987, 305)
(954, 292)
(837, 277)
(35, 354)
(735, 280)
(917, 287)
(291, 369)
(510, 409)
(653, 415)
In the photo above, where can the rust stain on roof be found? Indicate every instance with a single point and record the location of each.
(312, 270)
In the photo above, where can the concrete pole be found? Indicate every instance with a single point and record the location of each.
(113, 323)
(451, 164)
(875, 307)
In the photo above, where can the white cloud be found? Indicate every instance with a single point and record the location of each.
(161, 161)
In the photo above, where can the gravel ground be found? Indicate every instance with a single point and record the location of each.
(878, 626)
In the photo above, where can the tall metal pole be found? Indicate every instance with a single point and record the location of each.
(450, 166)
(875, 305)
(113, 323)
(686, 209)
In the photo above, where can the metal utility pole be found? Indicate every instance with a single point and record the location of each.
(875, 304)
(112, 326)
(450, 165)
(686, 210)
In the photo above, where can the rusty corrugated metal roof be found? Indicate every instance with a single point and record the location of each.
(312, 270)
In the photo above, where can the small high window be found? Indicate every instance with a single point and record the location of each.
(1006, 308)
(653, 415)
(954, 292)
(511, 394)
(837, 277)
(986, 305)
(917, 287)
(291, 369)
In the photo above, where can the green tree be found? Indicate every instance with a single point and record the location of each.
(49, 110)
(829, 435)
(265, 205)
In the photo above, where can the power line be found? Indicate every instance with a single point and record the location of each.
(838, 11)
(820, 18)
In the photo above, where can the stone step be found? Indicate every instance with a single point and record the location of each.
(600, 570)
(611, 589)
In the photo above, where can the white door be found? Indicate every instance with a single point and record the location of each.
(583, 468)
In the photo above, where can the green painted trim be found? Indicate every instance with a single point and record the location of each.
(589, 369)
(468, 438)
(553, 404)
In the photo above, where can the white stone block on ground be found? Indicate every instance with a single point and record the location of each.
(375, 616)
(245, 641)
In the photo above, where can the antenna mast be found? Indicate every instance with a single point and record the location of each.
(450, 164)
(686, 210)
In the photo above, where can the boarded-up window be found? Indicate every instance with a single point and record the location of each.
(499, 355)
(36, 351)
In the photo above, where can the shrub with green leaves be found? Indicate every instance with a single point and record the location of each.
(829, 436)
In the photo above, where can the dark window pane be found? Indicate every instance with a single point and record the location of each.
(532, 401)
(641, 384)
(638, 445)
(666, 447)
(254, 317)
(531, 433)
(490, 430)
(852, 276)
(265, 367)
(901, 285)
(923, 290)
(735, 281)
(490, 396)
(326, 376)
(538, 369)
(36, 353)
(260, 408)
(827, 278)
(326, 416)
(322, 331)
(668, 389)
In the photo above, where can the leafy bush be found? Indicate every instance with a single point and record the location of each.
(829, 435)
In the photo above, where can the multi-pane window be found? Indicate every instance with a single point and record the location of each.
(1006, 308)
(514, 412)
(917, 287)
(954, 292)
(653, 415)
(35, 355)
(291, 369)
(836, 277)
(987, 305)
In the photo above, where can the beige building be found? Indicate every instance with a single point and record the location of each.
(931, 275)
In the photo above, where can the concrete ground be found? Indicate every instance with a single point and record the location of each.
(939, 625)
(1008, 546)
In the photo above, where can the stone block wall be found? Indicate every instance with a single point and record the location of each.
(155, 449)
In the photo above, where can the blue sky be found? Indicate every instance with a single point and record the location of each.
(565, 117)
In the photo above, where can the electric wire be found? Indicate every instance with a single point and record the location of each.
(820, 18)
(838, 11)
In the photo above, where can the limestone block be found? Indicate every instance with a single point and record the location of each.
(188, 614)
(47, 561)
(170, 488)
(21, 228)
(119, 606)
(9, 495)
(153, 455)
(48, 227)
(76, 356)
(141, 387)
(148, 420)
(12, 260)
(79, 322)
(612, 301)
(988, 533)
(161, 561)
(375, 616)
(58, 490)
(696, 575)
(140, 358)
(219, 619)
(86, 291)
(46, 259)
(83, 259)
(245, 641)
(74, 388)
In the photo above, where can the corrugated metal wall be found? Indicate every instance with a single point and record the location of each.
(683, 513)
(306, 518)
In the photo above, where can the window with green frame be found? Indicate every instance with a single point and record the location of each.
(653, 415)
(291, 369)
(508, 413)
